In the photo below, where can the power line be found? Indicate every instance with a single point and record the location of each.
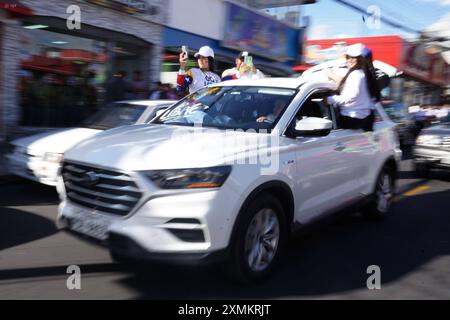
(387, 21)
(392, 23)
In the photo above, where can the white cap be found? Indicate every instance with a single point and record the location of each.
(205, 52)
(355, 50)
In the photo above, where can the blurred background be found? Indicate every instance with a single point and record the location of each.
(53, 76)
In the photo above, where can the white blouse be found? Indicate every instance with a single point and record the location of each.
(355, 100)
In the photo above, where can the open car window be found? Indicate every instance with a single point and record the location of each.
(314, 107)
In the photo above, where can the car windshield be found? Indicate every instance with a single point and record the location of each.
(114, 115)
(396, 111)
(237, 107)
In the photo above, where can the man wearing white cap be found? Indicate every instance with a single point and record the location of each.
(197, 78)
(355, 98)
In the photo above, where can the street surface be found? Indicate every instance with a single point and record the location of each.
(411, 246)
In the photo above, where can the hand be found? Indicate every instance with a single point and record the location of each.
(244, 69)
(183, 61)
(261, 119)
(332, 75)
(254, 69)
(325, 101)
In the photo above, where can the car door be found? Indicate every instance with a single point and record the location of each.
(357, 151)
(321, 167)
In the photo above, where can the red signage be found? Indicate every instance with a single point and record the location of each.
(387, 49)
(415, 60)
(425, 64)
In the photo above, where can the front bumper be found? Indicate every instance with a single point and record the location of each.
(33, 168)
(125, 246)
(432, 157)
(183, 226)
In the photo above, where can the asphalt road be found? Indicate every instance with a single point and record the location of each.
(411, 247)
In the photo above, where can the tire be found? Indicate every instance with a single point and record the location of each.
(382, 199)
(422, 171)
(259, 239)
(122, 259)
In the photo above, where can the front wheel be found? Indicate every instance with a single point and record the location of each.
(259, 239)
(383, 197)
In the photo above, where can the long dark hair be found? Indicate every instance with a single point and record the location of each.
(371, 81)
(211, 64)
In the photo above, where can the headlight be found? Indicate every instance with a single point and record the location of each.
(428, 139)
(213, 177)
(19, 150)
(53, 157)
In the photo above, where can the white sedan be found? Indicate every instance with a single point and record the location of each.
(38, 157)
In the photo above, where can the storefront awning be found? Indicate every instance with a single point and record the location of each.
(15, 7)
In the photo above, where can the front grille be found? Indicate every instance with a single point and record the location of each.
(99, 189)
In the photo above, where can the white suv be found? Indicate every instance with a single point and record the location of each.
(227, 173)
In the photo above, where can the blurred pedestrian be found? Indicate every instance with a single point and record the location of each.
(158, 92)
(170, 93)
(242, 70)
(139, 86)
(117, 88)
(197, 78)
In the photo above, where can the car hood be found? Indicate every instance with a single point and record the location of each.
(56, 141)
(440, 129)
(150, 147)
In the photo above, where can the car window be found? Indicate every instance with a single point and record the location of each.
(238, 107)
(313, 107)
(114, 115)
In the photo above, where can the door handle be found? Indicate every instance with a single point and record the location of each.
(376, 137)
(339, 146)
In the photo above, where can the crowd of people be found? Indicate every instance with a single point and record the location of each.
(120, 89)
(357, 95)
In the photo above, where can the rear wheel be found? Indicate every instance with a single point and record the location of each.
(383, 197)
(122, 259)
(259, 239)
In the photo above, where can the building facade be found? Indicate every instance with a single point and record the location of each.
(229, 27)
(55, 73)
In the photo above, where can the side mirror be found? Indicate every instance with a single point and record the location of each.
(313, 127)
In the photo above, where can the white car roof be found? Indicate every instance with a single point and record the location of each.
(291, 83)
(147, 103)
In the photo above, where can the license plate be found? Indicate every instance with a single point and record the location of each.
(95, 227)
